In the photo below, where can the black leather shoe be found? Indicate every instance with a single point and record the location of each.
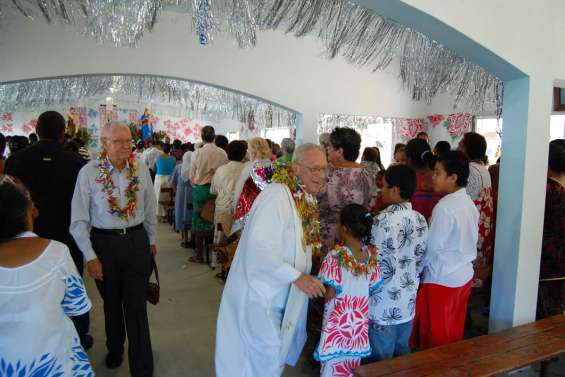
(113, 361)
(86, 341)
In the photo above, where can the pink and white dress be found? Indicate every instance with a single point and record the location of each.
(345, 331)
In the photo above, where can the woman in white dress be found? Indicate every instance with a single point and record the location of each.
(40, 289)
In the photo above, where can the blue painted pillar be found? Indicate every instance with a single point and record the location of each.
(521, 202)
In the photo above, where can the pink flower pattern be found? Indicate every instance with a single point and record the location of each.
(435, 119)
(410, 128)
(459, 124)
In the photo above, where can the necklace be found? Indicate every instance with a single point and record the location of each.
(306, 204)
(105, 179)
(350, 263)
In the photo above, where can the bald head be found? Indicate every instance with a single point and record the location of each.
(309, 165)
(110, 128)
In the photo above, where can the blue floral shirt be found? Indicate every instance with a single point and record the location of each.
(400, 235)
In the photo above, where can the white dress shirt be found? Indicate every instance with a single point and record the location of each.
(90, 208)
(223, 185)
(151, 157)
(452, 241)
(185, 168)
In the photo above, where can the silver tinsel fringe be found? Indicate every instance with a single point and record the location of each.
(363, 37)
(197, 100)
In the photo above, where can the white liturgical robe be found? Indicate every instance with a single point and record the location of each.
(262, 318)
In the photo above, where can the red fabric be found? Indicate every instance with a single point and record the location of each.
(425, 198)
(248, 195)
(440, 315)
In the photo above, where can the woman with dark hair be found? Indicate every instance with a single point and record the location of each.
(420, 158)
(399, 155)
(551, 293)
(371, 161)
(177, 150)
(441, 148)
(474, 146)
(164, 166)
(40, 289)
(347, 182)
(17, 143)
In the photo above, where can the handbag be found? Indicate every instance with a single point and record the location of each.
(208, 209)
(153, 289)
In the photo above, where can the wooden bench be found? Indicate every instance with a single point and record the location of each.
(486, 355)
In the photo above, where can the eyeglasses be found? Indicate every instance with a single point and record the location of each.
(121, 142)
(315, 169)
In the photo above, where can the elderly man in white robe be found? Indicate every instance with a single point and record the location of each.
(262, 319)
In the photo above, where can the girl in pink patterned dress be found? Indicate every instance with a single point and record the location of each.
(350, 273)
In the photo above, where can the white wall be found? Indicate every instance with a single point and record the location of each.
(281, 68)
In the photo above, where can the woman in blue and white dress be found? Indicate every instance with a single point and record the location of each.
(40, 289)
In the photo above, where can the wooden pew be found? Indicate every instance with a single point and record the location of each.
(486, 355)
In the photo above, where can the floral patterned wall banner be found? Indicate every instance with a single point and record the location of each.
(456, 126)
(91, 118)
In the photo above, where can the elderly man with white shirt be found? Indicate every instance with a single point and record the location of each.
(113, 222)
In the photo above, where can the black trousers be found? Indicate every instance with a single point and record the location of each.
(126, 267)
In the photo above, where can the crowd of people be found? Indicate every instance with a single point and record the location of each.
(346, 261)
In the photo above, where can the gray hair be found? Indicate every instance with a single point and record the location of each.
(302, 149)
(108, 127)
(324, 139)
(287, 145)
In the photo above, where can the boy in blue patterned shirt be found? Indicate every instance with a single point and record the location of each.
(400, 235)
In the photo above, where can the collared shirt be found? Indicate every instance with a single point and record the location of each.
(223, 185)
(452, 242)
(90, 208)
(205, 161)
(400, 234)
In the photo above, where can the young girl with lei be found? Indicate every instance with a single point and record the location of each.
(350, 272)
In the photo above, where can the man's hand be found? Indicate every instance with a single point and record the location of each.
(95, 269)
(310, 285)
(153, 250)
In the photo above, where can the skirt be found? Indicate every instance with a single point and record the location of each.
(200, 195)
(161, 181)
(440, 315)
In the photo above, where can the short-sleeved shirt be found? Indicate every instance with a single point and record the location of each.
(36, 301)
(400, 235)
(345, 329)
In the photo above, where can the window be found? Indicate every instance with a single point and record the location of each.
(557, 127)
(276, 134)
(490, 128)
(232, 136)
(375, 131)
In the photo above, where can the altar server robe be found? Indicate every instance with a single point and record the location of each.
(262, 319)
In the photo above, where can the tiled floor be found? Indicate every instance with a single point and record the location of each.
(183, 324)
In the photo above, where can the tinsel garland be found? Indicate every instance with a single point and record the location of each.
(359, 34)
(197, 99)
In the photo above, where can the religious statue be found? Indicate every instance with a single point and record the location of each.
(72, 122)
(146, 125)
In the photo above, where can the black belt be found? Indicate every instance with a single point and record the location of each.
(117, 232)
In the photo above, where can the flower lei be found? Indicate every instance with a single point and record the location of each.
(349, 262)
(306, 204)
(105, 179)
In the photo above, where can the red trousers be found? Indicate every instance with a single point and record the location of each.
(440, 315)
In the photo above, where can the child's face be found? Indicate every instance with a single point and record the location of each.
(442, 181)
(380, 181)
(400, 157)
(391, 195)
